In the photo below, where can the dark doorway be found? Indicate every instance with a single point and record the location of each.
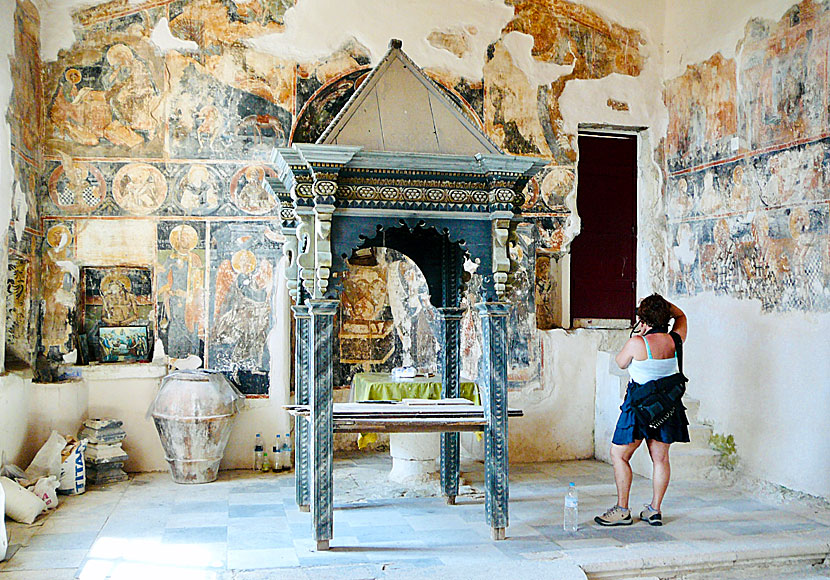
(603, 255)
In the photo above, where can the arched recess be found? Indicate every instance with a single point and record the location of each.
(438, 247)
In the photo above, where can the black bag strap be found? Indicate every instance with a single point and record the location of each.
(678, 348)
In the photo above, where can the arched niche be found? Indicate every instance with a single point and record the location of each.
(438, 251)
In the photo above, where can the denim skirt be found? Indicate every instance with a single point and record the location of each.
(629, 429)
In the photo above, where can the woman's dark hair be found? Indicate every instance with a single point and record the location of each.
(654, 311)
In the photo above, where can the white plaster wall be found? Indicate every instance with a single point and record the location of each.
(558, 422)
(15, 396)
(764, 379)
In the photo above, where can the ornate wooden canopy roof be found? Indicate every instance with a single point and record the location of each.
(384, 164)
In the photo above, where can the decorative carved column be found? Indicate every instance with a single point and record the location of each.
(320, 401)
(302, 373)
(493, 383)
(450, 367)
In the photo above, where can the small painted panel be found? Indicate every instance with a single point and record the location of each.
(181, 288)
(247, 192)
(139, 188)
(243, 259)
(115, 296)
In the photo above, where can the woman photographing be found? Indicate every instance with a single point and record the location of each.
(650, 356)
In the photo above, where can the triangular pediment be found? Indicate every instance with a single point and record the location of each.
(400, 109)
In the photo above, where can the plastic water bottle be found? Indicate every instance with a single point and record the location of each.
(276, 454)
(571, 509)
(266, 465)
(258, 453)
(285, 452)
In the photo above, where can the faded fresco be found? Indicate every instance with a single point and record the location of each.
(385, 317)
(243, 260)
(180, 288)
(123, 130)
(525, 119)
(753, 222)
(18, 310)
(115, 296)
(59, 281)
(524, 350)
(26, 104)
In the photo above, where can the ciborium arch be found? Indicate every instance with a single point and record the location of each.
(433, 205)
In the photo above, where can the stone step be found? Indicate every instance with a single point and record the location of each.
(692, 408)
(687, 462)
(699, 436)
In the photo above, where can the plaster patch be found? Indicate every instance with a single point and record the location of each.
(56, 25)
(373, 22)
(115, 243)
(20, 209)
(540, 73)
(165, 41)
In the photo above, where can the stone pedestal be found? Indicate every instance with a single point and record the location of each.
(414, 456)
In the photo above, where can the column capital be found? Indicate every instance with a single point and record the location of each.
(451, 312)
(300, 310)
(322, 307)
(492, 308)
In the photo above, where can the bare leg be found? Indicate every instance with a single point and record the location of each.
(659, 452)
(620, 455)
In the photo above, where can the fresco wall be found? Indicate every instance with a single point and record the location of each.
(131, 134)
(747, 156)
(25, 232)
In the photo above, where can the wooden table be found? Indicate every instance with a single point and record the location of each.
(371, 417)
(400, 417)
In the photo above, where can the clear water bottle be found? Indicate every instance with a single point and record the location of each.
(258, 452)
(275, 454)
(285, 452)
(571, 509)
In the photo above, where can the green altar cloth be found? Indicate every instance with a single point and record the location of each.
(382, 387)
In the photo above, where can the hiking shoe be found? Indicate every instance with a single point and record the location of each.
(651, 516)
(616, 516)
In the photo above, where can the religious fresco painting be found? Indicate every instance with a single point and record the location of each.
(115, 297)
(563, 33)
(178, 137)
(105, 95)
(59, 283)
(385, 317)
(524, 350)
(19, 310)
(243, 262)
(751, 221)
(25, 113)
(180, 288)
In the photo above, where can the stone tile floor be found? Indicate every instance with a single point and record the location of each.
(247, 526)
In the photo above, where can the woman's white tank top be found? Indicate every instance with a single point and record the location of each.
(650, 369)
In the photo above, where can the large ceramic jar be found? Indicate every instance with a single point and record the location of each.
(193, 413)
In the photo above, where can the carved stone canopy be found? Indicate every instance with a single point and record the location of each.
(362, 185)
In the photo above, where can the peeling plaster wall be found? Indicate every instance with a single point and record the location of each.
(747, 210)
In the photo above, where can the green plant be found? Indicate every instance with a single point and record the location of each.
(725, 445)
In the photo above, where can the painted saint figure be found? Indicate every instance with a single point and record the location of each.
(242, 310)
(181, 294)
